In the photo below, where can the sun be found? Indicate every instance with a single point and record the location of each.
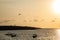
(56, 6)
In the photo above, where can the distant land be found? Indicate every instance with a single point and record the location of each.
(17, 28)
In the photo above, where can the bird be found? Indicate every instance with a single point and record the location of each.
(34, 35)
(35, 20)
(19, 14)
(11, 34)
(53, 20)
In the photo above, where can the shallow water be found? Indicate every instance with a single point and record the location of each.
(40, 34)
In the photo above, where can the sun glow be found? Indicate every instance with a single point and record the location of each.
(56, 7)
(58, 34)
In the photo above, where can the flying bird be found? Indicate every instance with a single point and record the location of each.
(53, 20)
(19, 14)
(35, 20)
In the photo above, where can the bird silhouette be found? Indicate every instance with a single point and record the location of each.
(34, 35)
(11, 34)
(19, 14)
(53, 20)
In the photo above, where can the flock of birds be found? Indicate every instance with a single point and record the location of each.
(35, 20)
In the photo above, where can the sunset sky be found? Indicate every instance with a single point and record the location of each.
(34, 13)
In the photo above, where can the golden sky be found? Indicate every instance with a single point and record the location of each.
(35, 13)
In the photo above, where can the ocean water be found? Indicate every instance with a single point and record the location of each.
(39, 34)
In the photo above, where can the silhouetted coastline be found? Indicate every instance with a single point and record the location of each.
(17, 28)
